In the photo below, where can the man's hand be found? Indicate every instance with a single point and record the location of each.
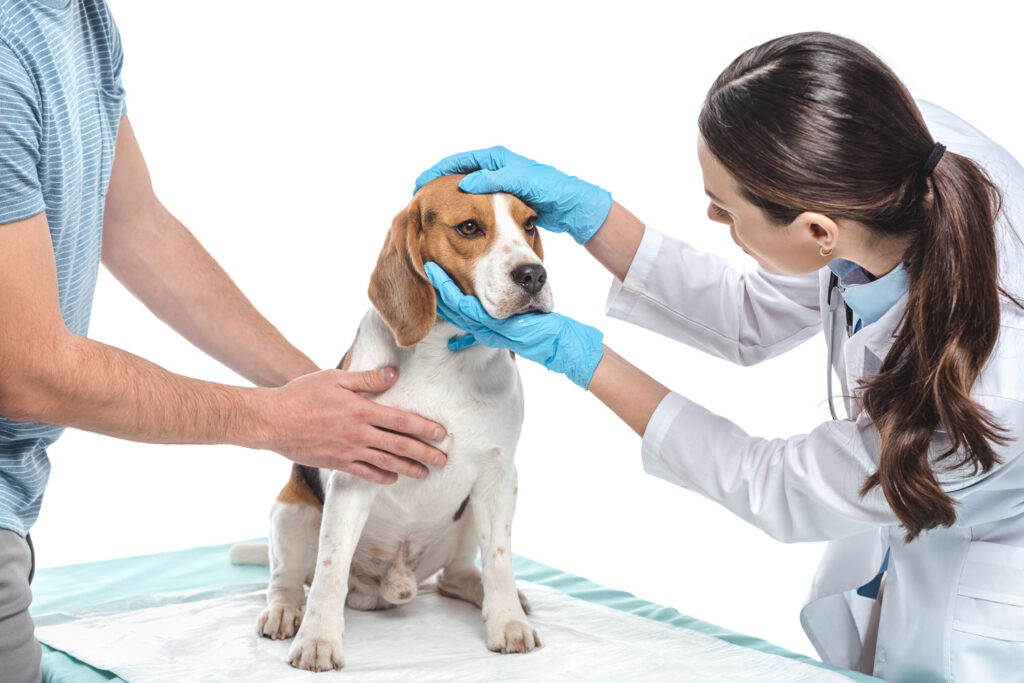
(50, 375)
(320, 420)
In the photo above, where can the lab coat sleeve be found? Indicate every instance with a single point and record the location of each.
(806, 487)
(701, 300)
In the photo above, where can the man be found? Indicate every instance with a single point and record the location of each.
(74, 188)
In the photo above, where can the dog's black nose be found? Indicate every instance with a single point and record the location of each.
(530, 277)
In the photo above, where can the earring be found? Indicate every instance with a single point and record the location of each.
(823, 252)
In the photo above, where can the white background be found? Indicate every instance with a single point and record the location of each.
(287, 135)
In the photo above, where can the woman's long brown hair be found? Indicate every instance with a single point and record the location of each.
(816, 122)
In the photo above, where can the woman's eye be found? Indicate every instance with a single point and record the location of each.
(719, 211)
(468, 228)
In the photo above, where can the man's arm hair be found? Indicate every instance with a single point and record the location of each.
(49, 374)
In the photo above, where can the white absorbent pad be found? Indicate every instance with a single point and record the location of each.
(211, 636)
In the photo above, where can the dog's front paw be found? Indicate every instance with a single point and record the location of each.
(316, 653)
(279, 621)
(511, 637)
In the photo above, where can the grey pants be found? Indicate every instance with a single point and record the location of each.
(19, 649)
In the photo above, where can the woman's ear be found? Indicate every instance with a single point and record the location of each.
(399, 288)
(817, 228)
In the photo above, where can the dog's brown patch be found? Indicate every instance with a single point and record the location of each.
(377, 551)
(346, 360)
(442, 242)
(522, 215)
(327, 562)
(501, 551)
(297, 492)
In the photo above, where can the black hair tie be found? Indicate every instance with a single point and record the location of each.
(933, 159)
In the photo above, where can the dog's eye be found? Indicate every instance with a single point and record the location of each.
(531, 224)
(469, 228)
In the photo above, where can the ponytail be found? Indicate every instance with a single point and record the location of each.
(947, 333)
(816, 122)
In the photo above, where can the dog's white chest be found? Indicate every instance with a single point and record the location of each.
(476, 394)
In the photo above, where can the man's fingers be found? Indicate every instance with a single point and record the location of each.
(368, 381)
(370, 473)
(407, 447)
(404, 423)
(390, 462)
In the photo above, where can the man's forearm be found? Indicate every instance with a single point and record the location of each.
(159, 261)
(177, 279)
(99, 388)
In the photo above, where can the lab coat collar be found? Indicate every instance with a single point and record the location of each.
(869, 298)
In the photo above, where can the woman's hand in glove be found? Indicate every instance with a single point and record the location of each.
(555, 341)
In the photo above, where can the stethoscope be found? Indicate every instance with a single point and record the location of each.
(835, 326)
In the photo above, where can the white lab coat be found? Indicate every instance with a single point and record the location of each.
(953, 606)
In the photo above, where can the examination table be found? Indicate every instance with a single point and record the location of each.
(190, 615)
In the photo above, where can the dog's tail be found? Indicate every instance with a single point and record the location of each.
(249, 553)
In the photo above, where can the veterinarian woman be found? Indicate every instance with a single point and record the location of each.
(896, 227)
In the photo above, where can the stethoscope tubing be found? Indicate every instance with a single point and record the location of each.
(835, 298)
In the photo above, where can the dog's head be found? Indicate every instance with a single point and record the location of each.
(487, 243)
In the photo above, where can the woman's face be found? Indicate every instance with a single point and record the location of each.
(788, 249)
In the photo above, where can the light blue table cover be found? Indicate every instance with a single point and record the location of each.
(60, 589)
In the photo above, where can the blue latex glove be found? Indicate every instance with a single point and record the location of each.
(556, 342)
(563, 203)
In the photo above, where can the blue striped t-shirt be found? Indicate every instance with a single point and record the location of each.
(60, 104)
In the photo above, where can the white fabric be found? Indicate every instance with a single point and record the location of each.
(212, 637)
(933, 625)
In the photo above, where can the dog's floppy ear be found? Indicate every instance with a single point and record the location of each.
(399, 288)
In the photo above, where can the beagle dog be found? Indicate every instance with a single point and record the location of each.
(369, 546)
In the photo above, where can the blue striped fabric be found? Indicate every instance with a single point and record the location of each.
(60, 104)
